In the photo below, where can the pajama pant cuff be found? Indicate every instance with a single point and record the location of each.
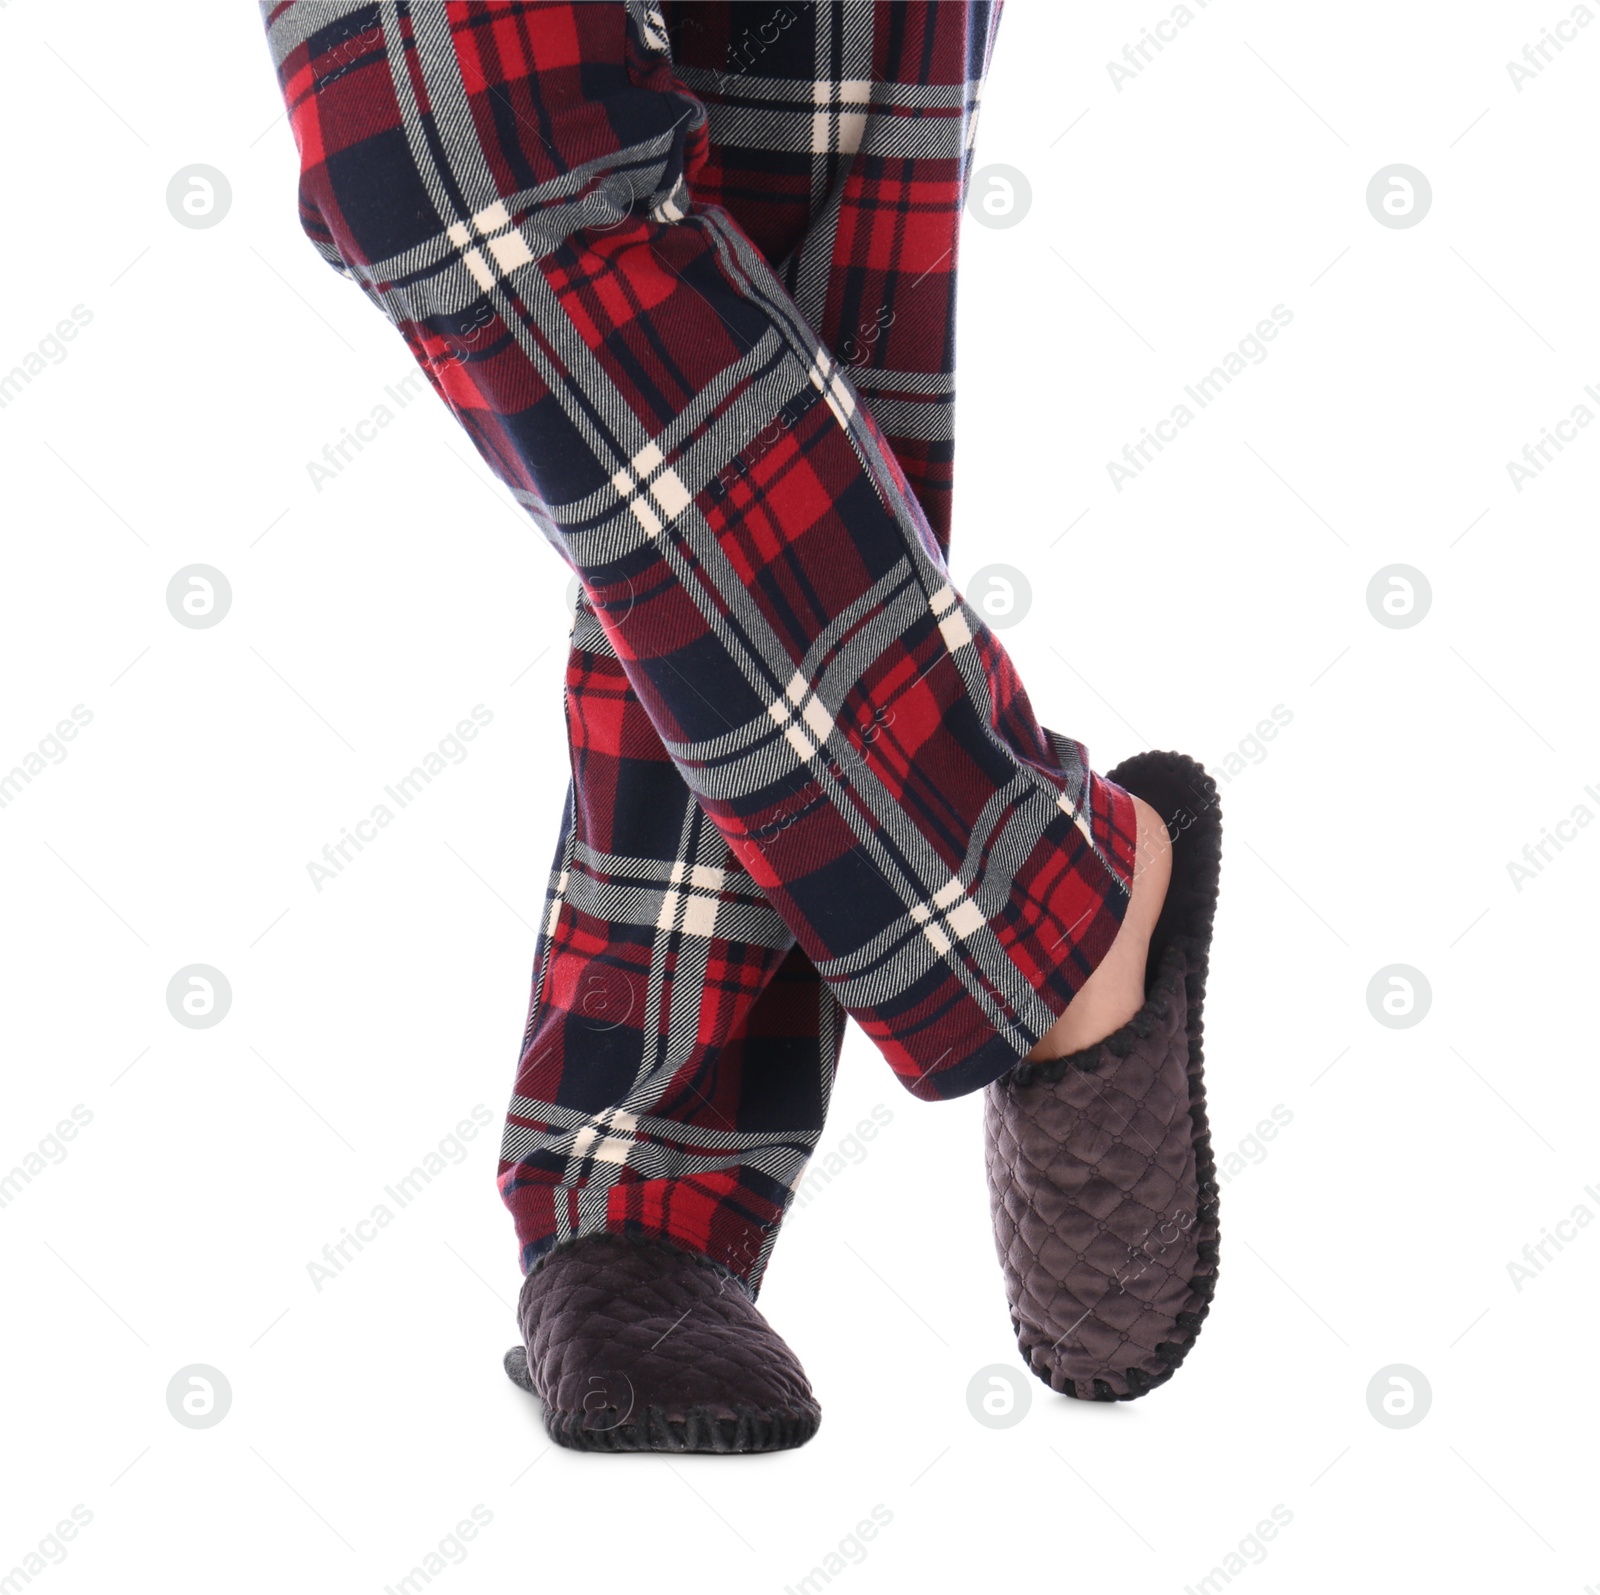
(1066, 908)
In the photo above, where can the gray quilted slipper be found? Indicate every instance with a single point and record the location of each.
(638, 1346)
(1101, 1180)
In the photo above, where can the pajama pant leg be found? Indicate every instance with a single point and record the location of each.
(713, 1163)
(517, 187)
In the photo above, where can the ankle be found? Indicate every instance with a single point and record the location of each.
(1114, 993)
(1152, 871)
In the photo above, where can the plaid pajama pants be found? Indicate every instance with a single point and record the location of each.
(686, 275)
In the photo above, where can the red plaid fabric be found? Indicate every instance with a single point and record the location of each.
(686, 275)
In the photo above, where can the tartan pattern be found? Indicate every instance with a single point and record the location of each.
(694, 306)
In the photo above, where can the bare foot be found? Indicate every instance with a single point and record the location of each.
(1114, 993)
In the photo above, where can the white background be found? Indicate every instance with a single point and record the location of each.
(1167, 218)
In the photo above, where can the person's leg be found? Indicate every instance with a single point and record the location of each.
(1114, 993)
(671, 1086)
(757, 1062)
(858, 204)
(1102, 1181)
(680, 1049)
(954, 872)
(840, 141)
